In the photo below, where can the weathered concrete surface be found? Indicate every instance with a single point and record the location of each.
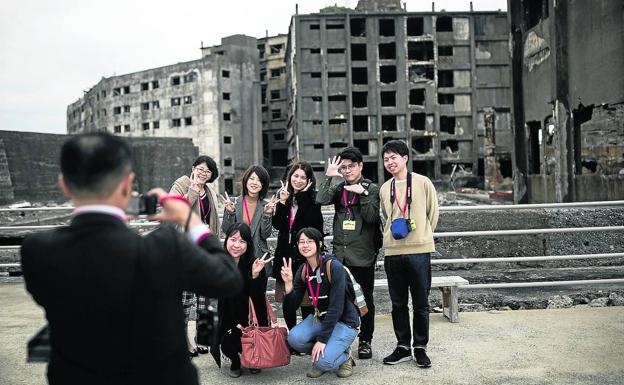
(561, 346)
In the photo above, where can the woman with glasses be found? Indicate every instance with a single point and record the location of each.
(203, 199)
(327, 333)
(295, 210)
(251, 208)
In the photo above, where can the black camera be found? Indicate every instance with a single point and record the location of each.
(142, 205)
(207, 324)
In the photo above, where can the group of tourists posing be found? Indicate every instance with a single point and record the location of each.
(308, 277)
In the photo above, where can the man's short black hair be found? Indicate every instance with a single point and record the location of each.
(351, 153)
(211, 164)
(262, 174)
(396, 146)
(93, 164)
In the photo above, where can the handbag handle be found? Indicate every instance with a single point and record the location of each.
(253, 319)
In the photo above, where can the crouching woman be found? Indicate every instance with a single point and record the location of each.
(326, 334)
(233, 311)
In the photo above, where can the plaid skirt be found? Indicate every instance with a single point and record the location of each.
(192, 302)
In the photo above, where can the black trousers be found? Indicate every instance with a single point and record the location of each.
(365, 276)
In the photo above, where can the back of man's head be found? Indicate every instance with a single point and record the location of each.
(94, 164)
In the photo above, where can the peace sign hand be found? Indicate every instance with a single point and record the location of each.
(258, 265)
(227, 203)
(333, 165)
(287, 274)
(269, 207)
(307, 186)
(283, 193)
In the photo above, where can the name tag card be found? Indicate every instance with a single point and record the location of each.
(348, 225)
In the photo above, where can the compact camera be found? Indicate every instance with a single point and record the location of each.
(142, 205)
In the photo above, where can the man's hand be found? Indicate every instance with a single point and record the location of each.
(355, 188)
(174, 210)
(318, 351)
(333, 165)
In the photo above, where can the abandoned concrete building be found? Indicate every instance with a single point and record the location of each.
(212, 100)
(273, 96)
(568, 100)
(439, 80)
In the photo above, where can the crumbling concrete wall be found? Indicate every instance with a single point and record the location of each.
(32, 164)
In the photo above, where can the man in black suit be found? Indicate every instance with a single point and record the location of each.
(112, 298)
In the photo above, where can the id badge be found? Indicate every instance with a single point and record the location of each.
(348, 225)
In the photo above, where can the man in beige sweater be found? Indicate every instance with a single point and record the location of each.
(410, 207)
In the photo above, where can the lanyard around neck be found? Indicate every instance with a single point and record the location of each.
(246, 210)
(314, 298)
(347, 203)
(408, 196)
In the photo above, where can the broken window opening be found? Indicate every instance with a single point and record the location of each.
(358, 27)
(337, 98)
(227, 139)
(126, 109)
(415, 26)
(155, 84)
(276, 72)
(277, 48)
(315, 75)
(315, 26)
(175, 81)
(116, 91)
(445, 78)
(336, 74)
(535, 136)
(420, 73)
(338, 145)
(370, 171)
(156, 124)
(227, 162)
(506, 167)
(387, 74)
(155, 105)
(317, 98)
(534, 12)
(445, 50)
(315, 51)
(318, 146)
(117, 129)
(388, 123)
(417, 121)
(227, 116)
(275, 94)
(386, 27)
(144, 86)
(359, 99)
(387, 51)
(422, 144)
(388, 98)
(334, 26)
(360, 123)
(190, 77)
(229, 186)
(176, 122)
(175, 102)
(188, 121)
(126, 90)
(317, 122)
(423, 167)
(188, 99)
(225, 73)
(358, 52)
(420, 50)
(444, 24)
(276, 114)
(226, 96)
(146, 126)
(446, 99)
(127, 128)
(145, 106)
(335, 50)
(447, 124)
(449, 146)
(362, 145)
(417, 97)
(359, 75)
(279, 137)
(337, 121)
(116, 110)
(263, 75)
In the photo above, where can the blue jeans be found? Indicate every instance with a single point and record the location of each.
(409, 273)
(303, 337)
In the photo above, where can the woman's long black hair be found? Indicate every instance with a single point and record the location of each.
(247, 259)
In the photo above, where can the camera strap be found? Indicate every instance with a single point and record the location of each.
(188, 218)
(408, 196)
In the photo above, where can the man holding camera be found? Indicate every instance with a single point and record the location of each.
(410, 205)
(356, 228)
(112, 298)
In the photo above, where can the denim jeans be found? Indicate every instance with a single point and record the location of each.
(365, 276)
(409, 273)
(303, 337)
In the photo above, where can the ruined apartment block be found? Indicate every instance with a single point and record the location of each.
(438, 80)
(568, 100)
(212, 100)
(273, 96)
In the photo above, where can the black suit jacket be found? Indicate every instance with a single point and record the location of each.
(112, 299)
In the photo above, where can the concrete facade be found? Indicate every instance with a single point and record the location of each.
(568, 106)
(212, 100)
(438, 80)
(273, 95)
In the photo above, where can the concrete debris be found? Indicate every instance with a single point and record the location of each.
(471, 307)
(599, 302)
(559, 302)
(616, 299)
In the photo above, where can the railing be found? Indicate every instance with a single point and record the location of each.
(445, 261)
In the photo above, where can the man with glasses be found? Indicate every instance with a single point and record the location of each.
(356, 229)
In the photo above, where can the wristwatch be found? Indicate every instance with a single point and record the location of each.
(365, 193)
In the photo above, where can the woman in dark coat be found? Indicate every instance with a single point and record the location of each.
(295, 210)
(233, 311)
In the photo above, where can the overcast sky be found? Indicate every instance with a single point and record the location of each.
(50, 51)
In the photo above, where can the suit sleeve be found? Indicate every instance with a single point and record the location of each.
(310, 210)
(370, 205)
(280, 219)
(207, 269)
(326, 194)
(265, 225)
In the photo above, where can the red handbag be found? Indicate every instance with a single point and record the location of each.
(263, 346)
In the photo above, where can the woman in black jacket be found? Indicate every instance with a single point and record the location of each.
(233, 311)
(296, 210)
